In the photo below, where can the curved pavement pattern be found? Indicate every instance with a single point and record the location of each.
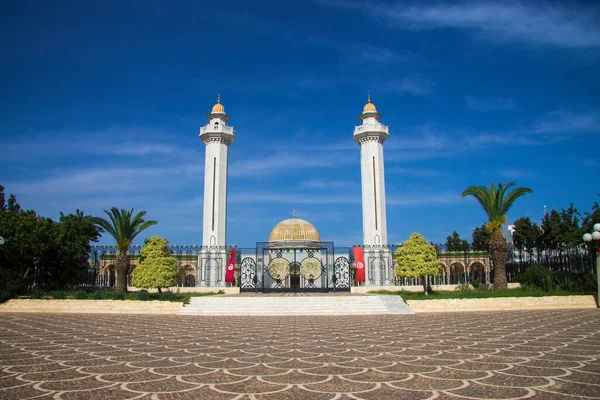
(500, 355)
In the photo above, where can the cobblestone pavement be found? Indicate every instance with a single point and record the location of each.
(502, 355)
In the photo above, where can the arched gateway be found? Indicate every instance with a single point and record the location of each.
(295, 259)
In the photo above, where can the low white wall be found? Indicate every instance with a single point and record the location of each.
(502, 303)
(91, 306)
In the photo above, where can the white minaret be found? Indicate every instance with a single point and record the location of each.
(217, 136)
(370, 136)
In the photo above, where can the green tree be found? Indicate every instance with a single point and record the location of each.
(453, 242)
(587, 225)
(39, 252)
(417, 259)
(526, 236)
(496, 202)
(481, 239)
(157, 267)
(123, 228)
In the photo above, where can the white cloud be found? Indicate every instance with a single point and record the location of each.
(415, 85)
(416, 172)
(552, 24)
(327, 184)
(490, 104)
(121, 141)
(567, 122)
(412, 199)
(111, 180)
(277, 163)
(294, 198)
(422, 199)
(512, 173)
(375, 54)
(369, 53)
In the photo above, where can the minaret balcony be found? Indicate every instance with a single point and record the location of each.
(371, 127)
(216, 129)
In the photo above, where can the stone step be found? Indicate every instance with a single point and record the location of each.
(317, 305)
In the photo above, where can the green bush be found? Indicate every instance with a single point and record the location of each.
(463, 287)
(168, 296)
(590, 283)
(143, 295)
(527, 287)
(58, 294)
(116, 296)
(475, 283)
(538, 277)
(81, 295)
(10, 283)
(38, 294)
(574, 282)
(107, 295)
(97, 295)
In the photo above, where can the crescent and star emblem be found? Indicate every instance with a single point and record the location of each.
(360, 265)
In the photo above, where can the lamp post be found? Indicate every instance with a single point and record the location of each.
(588, 237)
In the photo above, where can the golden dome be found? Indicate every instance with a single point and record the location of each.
(369, 107)
(294, 229)
(218, 108)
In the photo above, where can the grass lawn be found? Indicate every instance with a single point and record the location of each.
(477, 294)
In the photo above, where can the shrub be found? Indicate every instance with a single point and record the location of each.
(116, 296)
(168, 296)
(547, 283)
(81, 295)
(475, 283)
(142, 295)
(527, 287)
(38, 294)
(538, 277)
(58, 294)
(97, 295)
(10, 283)
(463, 287)
(590, 283)
(108, 295)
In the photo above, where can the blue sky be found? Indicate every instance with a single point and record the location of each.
(101, 103)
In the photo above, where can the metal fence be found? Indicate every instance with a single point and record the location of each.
(205, 266)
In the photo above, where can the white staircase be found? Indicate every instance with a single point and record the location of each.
(295, 305)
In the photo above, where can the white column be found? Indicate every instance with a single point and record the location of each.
(217, 137)
(370, 136)
(214, 227)
(373, 191)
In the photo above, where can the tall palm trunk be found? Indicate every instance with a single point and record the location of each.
(122, 268)
(498, 254)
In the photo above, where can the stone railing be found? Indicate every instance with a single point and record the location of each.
(371, 127)
(217, 128)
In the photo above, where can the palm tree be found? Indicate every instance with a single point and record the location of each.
(124, 229)
(496, 203)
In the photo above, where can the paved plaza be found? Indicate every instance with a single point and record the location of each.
(501, 355)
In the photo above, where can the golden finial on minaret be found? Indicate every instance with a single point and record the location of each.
(294, 213)
(369, 107)
(218, 108)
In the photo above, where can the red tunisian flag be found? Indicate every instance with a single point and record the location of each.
(359, 260)
(229, 274)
